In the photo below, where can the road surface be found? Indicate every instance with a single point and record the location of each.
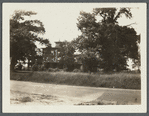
(78, 94)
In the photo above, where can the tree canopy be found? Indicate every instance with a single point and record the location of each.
(114, 43)
(111, 15)
(67, 54)
(23, 35)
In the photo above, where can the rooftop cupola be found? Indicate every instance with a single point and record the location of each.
(57, 44)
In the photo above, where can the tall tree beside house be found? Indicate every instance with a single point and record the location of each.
(23, 35)
(67, 55)
(90, 60)
(118, 42)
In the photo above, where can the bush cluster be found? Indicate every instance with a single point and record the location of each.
(57, 70)
(37, 67)
(76, 70)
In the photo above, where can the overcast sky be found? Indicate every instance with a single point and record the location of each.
(60, 19)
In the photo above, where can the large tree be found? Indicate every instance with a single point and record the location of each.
(113, 42)
(89, 60)
(67, 54)
(23, 35)
(111, 15)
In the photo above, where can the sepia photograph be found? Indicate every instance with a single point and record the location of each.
(74, 57)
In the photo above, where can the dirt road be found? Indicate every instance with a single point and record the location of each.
(70, 95)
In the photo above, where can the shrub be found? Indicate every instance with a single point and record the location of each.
(43, 68)
(56, 70)
(62, 70)
(39, 68)
(76, 70)
(50, 70)
(65, 69)
(35, 67)
(53, 69)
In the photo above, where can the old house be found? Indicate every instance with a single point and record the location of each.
(51, 56)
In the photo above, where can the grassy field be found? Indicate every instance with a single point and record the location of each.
(115, 80)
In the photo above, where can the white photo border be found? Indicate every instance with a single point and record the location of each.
(7, 108)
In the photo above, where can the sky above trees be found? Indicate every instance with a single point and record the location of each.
(60, 20)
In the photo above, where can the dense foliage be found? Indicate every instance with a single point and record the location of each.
(114, 43)
(67, 55)
(23, 35)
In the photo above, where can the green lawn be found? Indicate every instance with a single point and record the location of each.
(116, 80)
